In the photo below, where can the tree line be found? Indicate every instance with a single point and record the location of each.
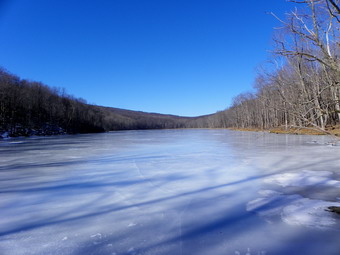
(302, 86)
(32, 108)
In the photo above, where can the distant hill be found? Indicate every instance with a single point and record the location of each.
(120, 119)
(32, 108)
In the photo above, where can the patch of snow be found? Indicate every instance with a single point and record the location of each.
(271, 203)
(5, 135)
(309, 212)
(248, 252)
(267, 193)
(294, 209)
(131, 250)
(303, 178)
(99, 235)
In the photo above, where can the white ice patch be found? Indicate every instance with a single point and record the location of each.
(293, 209)
(271, 203)
(303, 178)
(310, 213)
(4, 135)
(98, 235)
(268, 193)
(131, 250)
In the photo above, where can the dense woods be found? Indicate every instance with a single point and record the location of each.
(302, 87)
(28, 108)
(32, 108)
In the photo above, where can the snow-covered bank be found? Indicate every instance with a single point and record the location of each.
(168, 192)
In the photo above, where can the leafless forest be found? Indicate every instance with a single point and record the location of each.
(300, 88)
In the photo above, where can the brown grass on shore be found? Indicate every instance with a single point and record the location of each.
(248, 129)
(335, 130)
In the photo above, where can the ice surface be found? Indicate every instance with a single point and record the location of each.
(169, 192)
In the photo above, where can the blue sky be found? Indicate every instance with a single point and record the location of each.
(183, 57)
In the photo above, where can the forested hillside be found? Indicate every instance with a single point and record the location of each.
(32, 108)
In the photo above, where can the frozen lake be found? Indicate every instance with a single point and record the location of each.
(169, 192)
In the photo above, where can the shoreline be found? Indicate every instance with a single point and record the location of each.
(333, 130)
(292, 131)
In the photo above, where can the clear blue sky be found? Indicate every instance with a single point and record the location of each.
(183, 57)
